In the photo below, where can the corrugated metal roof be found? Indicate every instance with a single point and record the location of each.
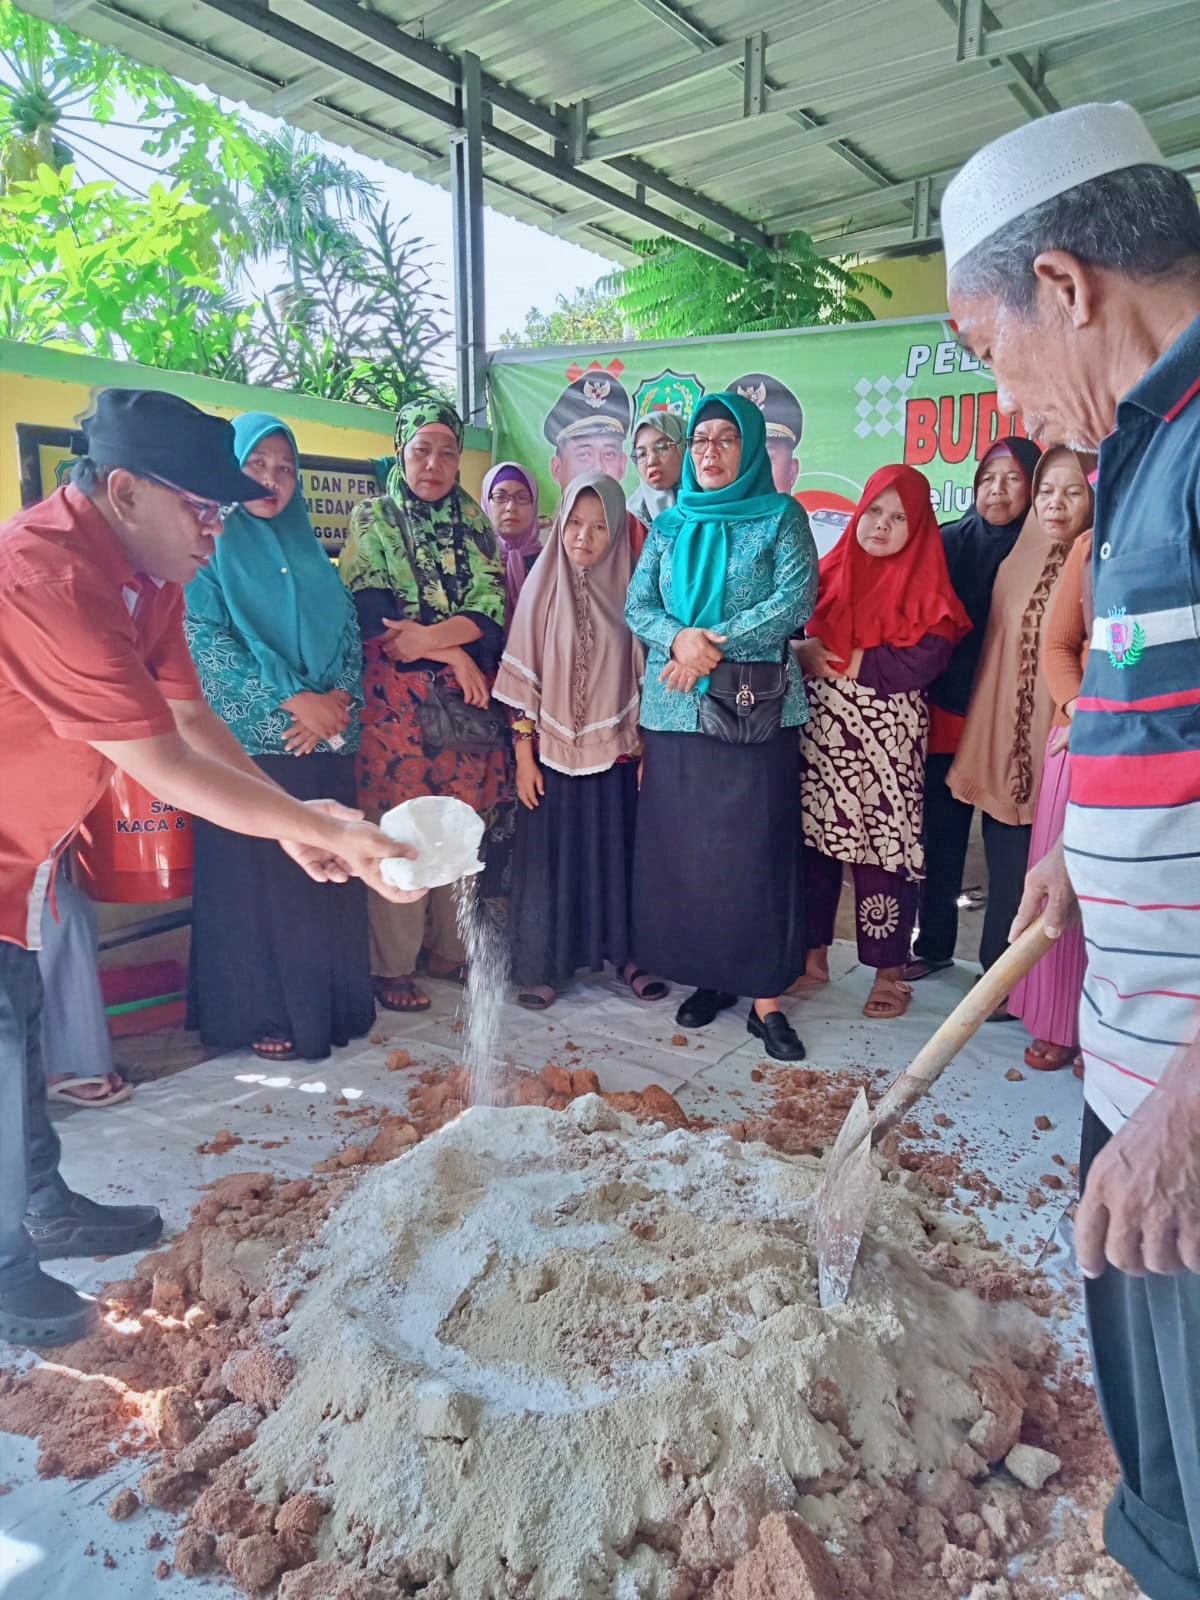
(610, 121)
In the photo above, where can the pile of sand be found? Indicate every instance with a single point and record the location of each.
(556, 1356)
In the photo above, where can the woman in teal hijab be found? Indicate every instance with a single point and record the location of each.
(279, 963)
(728, 574)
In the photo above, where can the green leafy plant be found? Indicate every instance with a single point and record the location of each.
(85, 267)
(676, 291)
(154, 277)
(301, 200)
(354, 325)
(590, 316)
(63, 94)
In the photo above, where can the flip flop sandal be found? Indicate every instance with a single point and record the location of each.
(400, 994)
(890, 998)
(1050, 1058)
(644, 984)
(275, 1049)
(807, 983)
(536, 997)
(62, 1091)
(456, 974)
(916, 970)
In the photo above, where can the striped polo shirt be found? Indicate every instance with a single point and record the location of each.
(1132, 832)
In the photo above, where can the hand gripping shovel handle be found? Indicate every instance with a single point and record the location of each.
(962, 1023)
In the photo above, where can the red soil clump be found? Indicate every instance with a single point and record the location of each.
(220, 1145)
(806, 1109)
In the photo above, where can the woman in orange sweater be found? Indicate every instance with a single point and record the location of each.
(1047, 1001)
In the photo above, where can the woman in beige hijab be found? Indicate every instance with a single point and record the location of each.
(999, 762)
(573, 671)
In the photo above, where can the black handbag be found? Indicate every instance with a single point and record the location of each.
(744, 702)
(447, 722)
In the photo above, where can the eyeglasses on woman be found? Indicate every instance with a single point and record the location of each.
(645, 453)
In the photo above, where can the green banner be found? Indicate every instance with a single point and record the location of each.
(838, 403)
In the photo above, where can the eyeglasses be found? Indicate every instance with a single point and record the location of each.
(520, 500)
(642, 455)
(723, 443)
(206, 512)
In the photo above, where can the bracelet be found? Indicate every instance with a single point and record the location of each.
(521, 737)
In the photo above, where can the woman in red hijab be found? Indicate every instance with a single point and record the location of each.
(886, 621)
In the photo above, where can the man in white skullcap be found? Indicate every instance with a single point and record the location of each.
(1073, 261)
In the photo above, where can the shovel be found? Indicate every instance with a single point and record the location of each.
(844, 1203)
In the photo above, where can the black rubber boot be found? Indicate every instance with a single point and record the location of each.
(44, 1311)
(62, 1223)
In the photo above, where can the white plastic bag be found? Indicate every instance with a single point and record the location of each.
(446, 834)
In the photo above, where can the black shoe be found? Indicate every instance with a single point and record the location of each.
(44, 1311)
(67, 1224)
(777, 1034)
(699, 1009)
(924, 967)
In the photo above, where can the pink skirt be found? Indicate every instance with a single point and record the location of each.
(1047, 1000)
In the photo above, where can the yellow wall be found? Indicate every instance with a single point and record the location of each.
(54, 389)
(918, 285)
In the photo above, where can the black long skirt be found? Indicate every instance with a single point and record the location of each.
(274, 953)
(718, 885)
(572, 865)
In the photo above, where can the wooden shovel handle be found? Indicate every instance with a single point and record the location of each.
(962, 1024)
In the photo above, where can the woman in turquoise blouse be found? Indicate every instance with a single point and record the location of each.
(728, 574)
(279, 963)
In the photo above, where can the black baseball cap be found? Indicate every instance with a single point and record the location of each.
(158, 435)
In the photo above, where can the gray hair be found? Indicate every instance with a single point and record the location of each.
(1142, 221)
(90, 476)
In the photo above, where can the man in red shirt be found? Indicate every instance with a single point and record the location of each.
(94, 672)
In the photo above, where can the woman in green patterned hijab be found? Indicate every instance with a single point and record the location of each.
(425, 572)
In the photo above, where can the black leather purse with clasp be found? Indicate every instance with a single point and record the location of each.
(447, 722)
(744, 702)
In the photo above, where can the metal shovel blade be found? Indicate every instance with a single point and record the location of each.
(844, 1204)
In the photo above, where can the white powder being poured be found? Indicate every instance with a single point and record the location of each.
(525, 1347)
(485, 941)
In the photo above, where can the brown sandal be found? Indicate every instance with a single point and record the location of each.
(112, 1088)
(274, 1047)
(889, 997)
(400, 994)
(1050, 1058)
(811, 980)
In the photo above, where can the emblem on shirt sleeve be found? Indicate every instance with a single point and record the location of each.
(1126, 640)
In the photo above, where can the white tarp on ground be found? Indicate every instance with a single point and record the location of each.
(146, 1150)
